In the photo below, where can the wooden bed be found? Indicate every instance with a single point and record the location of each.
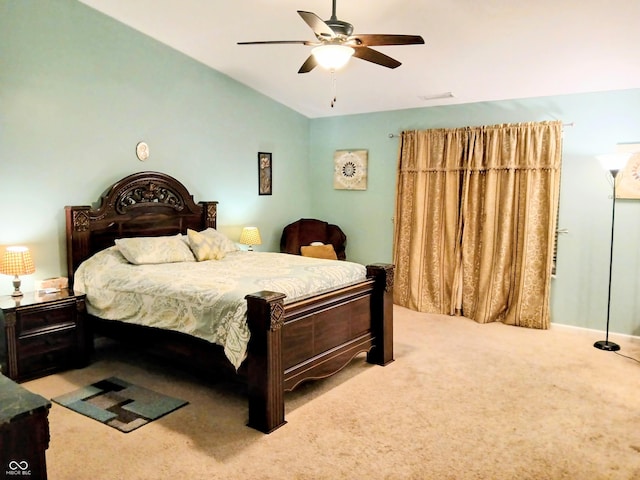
(290, 343)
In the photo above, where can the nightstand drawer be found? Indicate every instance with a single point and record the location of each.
(49, 362)
(40, 344)
(42, 318)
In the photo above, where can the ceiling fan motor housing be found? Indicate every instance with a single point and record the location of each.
(339, 27)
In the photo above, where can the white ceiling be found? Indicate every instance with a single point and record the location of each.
(479, 50)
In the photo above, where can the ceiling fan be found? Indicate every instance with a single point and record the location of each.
(336, 43)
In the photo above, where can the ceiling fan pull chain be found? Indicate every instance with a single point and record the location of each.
(333, 88)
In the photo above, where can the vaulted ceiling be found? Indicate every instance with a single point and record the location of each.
(474, 50)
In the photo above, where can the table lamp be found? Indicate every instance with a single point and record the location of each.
(250, 236)
(17, 261)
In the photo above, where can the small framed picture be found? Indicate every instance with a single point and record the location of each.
(264, 173)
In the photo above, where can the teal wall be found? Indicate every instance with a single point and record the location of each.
(79, 90)
(600, 121)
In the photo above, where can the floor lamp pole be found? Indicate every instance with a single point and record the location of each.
(606, 344)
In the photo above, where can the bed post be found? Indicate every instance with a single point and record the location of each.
(381, 313)
(265, 372)
(209, 214)
(78, 233)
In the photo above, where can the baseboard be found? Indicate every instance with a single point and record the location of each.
(630, 338)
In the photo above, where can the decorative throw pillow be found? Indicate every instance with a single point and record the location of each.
(148, 250)
(205, 247)
(319, 251)
(226, 245)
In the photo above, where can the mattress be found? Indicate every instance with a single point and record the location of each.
(204, 299)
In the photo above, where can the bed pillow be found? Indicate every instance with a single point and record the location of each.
(151, 250)
(226, 245)
(319, 251)
(205, 247)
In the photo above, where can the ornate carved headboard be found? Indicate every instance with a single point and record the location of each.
(145, 204)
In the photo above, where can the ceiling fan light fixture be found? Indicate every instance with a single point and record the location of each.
(332, 57)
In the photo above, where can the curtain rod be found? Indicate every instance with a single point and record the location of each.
(396, 135)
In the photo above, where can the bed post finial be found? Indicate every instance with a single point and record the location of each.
(78, 232)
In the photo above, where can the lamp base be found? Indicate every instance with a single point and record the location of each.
(16, 287)
(606, 345)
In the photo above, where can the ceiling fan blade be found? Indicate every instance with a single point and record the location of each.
(267, 42)
(309, 64)
(373, 56)
(319, 27)
(373, 40)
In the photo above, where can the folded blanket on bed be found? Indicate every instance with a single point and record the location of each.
(205, 299)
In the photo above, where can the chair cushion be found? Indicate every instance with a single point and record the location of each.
(319, 251)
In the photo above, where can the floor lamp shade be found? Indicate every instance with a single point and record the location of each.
(614, 162)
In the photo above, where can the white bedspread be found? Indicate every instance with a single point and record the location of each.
(204, 299)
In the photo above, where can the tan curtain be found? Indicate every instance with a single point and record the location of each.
(475, 218)
(426, 219)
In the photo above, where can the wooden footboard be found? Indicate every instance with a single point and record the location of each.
(314, 338)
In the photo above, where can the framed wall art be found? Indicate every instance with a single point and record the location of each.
(265, 183)
(350, 170)
(628, 179)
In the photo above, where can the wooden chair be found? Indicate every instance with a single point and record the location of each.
(308, 230)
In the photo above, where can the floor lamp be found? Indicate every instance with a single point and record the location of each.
(613, 163)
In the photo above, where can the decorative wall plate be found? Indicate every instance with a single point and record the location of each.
(350, 170)
(142, 151)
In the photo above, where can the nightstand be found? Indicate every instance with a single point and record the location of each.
(41, 334)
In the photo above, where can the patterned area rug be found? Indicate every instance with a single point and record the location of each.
(119, 404)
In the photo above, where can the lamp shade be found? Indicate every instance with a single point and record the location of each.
(332, 57)
(250, 236)
(614, 161)
(17, 261)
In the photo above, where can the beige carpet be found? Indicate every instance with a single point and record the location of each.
(461, 401)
